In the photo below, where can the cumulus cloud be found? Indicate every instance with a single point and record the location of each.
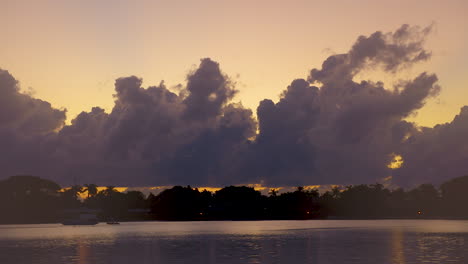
(343, 132)
(325, 129)
(436, 154)
(155, 136)
(392, 51)
(23, 115)
(26, 127)
(208, 91)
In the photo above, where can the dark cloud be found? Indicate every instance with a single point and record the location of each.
(215, 155)
(208, 91)
(326, 129)
(27, 127)
(23, 115)
(343, 132)
(155, 136)
(436, 154)
(391, 51)
(282, 146)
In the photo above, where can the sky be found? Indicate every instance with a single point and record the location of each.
(70, 54)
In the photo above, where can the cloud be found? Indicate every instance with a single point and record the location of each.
(208, 91)
(325, 129)
(155, 136)
(23, 115)
(436, 154)
(26, 127)
(391, 51)
(343, 132)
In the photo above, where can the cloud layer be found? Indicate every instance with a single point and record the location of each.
(325, 129)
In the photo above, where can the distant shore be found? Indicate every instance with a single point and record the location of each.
(31, 200)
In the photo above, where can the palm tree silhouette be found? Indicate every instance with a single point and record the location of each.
(76, 189)
(92, 189)
(110, 190)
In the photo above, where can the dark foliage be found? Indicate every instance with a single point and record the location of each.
(29, 199)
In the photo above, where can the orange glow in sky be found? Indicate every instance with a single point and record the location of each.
(258, 187)
(396, 162)
(70, 52)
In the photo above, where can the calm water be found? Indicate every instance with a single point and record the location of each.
(376, 242)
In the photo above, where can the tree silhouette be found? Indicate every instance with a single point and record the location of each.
(239, 202)
(91, 189)
(109, 191)
(454, 196)
(74, 191)
(29, 199)
(273, 192)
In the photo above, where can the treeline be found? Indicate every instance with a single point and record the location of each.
(29, 199)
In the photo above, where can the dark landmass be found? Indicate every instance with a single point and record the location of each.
(30, 199)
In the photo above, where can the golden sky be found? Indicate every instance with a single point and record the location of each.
(69, 52)
(155, 190)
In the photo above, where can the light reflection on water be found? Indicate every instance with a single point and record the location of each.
(382, 241)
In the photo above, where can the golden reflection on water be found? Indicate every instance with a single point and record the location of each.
(83, 253)
(398, 253)
(212, 251)
(372, 242)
